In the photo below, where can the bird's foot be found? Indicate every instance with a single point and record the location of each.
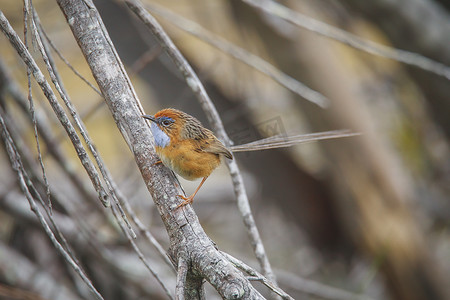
(186, 201)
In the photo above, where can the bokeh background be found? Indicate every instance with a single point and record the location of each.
(368, 214)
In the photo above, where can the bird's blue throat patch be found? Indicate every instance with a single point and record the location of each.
(161, 138)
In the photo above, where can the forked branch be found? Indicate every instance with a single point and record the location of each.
(188, 242)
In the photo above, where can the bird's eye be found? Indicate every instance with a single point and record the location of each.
(166, 122)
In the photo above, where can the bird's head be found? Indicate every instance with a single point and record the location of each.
(166, 125)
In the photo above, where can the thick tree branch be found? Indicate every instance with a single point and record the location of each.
(214, 119)
(187, 238)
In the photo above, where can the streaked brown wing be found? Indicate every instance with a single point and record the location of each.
(218, 148)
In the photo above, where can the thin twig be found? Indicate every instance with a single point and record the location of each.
(146, 232)
(88, 113)
(74, 212)
(59, 111)
(49, 214)
(45, 132)
(69, 65)
(28, 159)
(80, 125)
(240, 54)
(255, 275)
(140, 254)
(213, 117)
(18, 168)
(299, 284)
(124, 201)
(146, 58)
(298, 19)
(75, 227)
(26, 11)
(42, 45)
(317, 289)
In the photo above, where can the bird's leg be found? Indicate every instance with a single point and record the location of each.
(157, 163)
(190, 199)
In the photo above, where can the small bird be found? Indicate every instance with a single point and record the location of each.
(186, 147)
(193, 152)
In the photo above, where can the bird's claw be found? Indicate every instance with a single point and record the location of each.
(186, 201)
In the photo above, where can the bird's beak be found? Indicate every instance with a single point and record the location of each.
(149, 117)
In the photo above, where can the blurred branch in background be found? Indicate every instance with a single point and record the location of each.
(414, 59)
(369, 177)
(240, 54)
(419, 28)
(29, 190)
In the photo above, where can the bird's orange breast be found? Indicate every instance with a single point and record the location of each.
(186, 160)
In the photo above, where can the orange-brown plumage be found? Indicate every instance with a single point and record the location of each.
(193, 151)
(185, 146)
(189, 164)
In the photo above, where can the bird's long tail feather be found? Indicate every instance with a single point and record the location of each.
(279, 141)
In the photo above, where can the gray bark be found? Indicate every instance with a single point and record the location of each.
(188, 242)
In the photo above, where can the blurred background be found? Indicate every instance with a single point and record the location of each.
(366, 216)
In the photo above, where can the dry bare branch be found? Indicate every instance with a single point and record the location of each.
(31, 108)
(318, 289)
(24, 183)
(214, 119)
(256, 276)
(297, 283)
(187, 238)
(112, 188)
(23, 272)
(141, 255)
(45, 132)
(69, 65)
(59, 111)
(241, 54)
(298, 19)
